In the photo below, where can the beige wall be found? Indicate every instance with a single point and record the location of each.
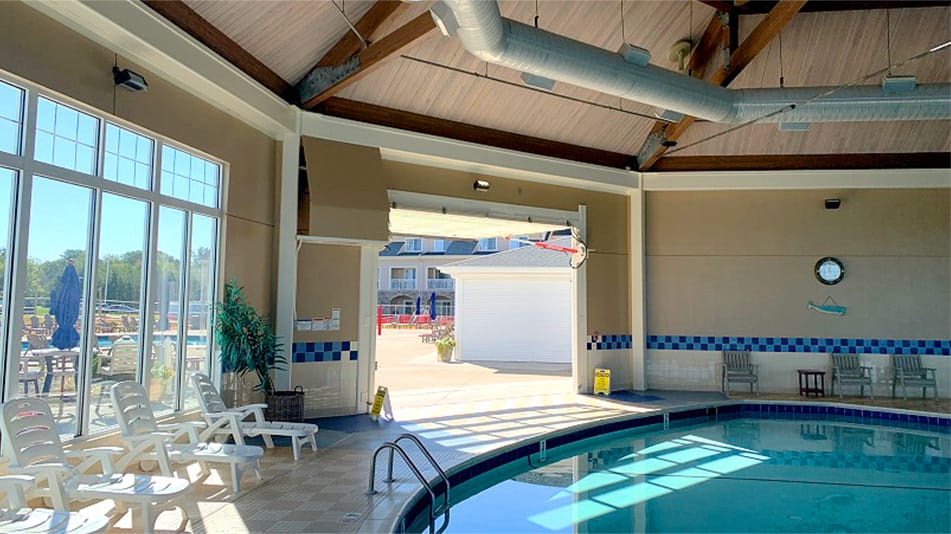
(348, 195)
(40, 50)
(740, 263)
(328, 276)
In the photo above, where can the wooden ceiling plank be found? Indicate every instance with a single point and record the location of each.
(324, 82)
(350, 44)
(761, 7)
(179, 14)
(785, 162)
(405, 120)
(657, 143)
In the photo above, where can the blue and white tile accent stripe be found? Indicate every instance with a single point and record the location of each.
(612, 342)
(326, 351)
(802, 344)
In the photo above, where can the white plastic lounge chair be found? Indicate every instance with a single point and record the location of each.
(32, 446)
(848, 370)
(16, 518)
(232, 421)
(737, 367)
(149, 441)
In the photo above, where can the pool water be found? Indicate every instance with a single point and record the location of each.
(740, 475)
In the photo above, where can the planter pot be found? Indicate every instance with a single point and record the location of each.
(444, 354)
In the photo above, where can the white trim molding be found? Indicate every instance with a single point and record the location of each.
(133, 30)
(779, 180)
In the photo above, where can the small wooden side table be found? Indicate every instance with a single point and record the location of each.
(818, 386)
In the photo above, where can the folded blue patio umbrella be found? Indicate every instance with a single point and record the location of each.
(418, 303)
(64, 305)
(432, 306)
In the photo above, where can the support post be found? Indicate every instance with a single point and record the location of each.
(287, 254)
(637, 255)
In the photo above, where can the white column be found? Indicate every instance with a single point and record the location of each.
(580, 372)
(638, 309)
(287, 254)
(366, 335)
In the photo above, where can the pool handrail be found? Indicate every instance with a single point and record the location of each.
(429, 457)
(419, 476)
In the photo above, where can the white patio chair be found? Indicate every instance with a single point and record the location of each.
(847, 369)
(222, 420)
(150, 441)
(16, 518)
(32, 446)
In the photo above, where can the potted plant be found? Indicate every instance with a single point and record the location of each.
(247, 341)
(444, 347)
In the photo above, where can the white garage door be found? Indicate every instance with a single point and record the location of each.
(515, 320)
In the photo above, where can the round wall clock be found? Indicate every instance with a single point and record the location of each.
(829, 271)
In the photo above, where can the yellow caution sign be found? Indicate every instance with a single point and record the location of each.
(602, 382)
(381, 405)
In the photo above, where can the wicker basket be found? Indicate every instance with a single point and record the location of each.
(286, 406)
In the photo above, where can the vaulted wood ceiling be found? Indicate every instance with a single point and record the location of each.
(433, 77)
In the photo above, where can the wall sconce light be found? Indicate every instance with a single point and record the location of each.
(481, 185)
(129, 80)
(832, 203)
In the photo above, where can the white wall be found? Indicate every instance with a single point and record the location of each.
(524, 318)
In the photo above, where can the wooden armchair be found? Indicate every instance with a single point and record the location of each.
(737, 367)
(848, 370)
(907, 371)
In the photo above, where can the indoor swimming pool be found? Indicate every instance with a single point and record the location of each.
(751, 473)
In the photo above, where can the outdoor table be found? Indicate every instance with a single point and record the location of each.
(818, 386)
(57, 362)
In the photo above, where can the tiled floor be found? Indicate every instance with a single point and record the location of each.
(326, 491)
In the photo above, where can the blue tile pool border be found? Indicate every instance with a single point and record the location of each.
(726, 410)
(938, 347)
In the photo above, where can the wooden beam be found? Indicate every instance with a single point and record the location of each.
(193, 24)
(405, 120)
(324, 82)
(760, 7)
(663, 137)
(755, 42)
(916, 160)
(368, 24)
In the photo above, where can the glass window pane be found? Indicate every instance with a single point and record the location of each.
(7, 184)
(9, 136)
(64, 128)
(11, 113)
(122, 239)
(66, 122)
(201, 301)
(163, 360)
(189, 177)
(53, 323)
(133, 154)
(45, 114)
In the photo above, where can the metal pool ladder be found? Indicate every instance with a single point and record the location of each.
(393, 446)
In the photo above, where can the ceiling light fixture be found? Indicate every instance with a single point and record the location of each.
(481, 185)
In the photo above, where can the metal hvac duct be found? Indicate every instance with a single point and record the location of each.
(484, 33)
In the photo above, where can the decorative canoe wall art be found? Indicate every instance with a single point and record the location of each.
(826, 307)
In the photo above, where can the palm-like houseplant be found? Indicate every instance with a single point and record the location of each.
(246, 340)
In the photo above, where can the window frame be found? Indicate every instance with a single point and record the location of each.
(26, 168)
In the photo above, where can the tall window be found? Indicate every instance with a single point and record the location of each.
(109, 243)
(413, 245)
(439, 245)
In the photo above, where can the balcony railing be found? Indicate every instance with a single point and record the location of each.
(440, 283)
(400, 283)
